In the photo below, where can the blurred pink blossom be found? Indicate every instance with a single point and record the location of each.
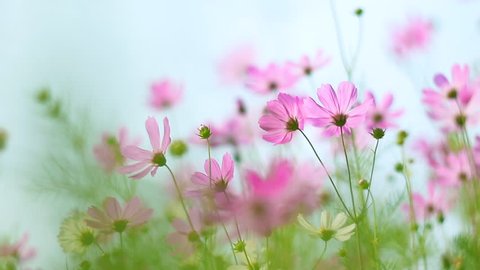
(271, 78)
(306, 65)
(165, 94)
(234, 66)
(108, 151)
(380, 114)
(18, 250)
(115, 218)
(414, 35)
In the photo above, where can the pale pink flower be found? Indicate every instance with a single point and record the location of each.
(381, 115)
(219, 179)
(185, 241)
(456, 171)
(165, 94)
(148, 161)
(306, 66)
(108, 151)
(415, 35)
(436, 203)
(336, 112)
(234, 66)
(18, 250)
(235, 131)
(263, 207)
(115, 218)
(283, 118)
(271, 78)
(435, 153)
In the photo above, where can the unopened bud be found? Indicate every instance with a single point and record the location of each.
(363, 184)
(378, 133)
(178, 148)
(204, 132)
(401, 137)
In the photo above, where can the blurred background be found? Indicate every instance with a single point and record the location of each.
(102, 56)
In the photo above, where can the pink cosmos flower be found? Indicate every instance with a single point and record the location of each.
(460, 88)
(306, 66)
(165, 94)
(219, 179)
(234, 66)
(435, 153)
(148, 161)
(436, 203)
(270, 79)
(114, 218)
(415, 35)
(283, 118)
(108, 152)
(185, 241)
(235, 131)
(381, 115)
(18, 250)
(337, 112)
(456, 171)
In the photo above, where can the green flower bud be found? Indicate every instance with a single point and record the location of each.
(378, 133)
(204, 132)
(178, 148)
(363, 184)
(239, 246)
(401, 137)
(399, 167)
(3, 138)
(359, 12)
(43, 95)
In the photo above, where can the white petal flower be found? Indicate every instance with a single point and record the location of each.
(329, 228)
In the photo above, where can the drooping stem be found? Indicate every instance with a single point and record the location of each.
(321, 255)
(180, 197)
(357, 221)
(328, 174)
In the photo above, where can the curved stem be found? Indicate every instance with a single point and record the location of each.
(180, 197)
(321, 255)
(328, 174)
(369, 192)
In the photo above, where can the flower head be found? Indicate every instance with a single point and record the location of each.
(337, 110)
(148, 161)
(75, 236)
(283, 118)
(270, 79)
(329, 228)
(415, 35)
(108, 151)
(234, 66)
(165, 94)
(114, 218)
(381, 115)
(435, 203)
(306, 66)
(215, 178)
(19, 251)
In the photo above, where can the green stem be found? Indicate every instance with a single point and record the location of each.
(328, 174)
(369, 192)
(321, 255)
(99, 247)
(359, 251)
(121, 240)
(180, 197)
(408, 186)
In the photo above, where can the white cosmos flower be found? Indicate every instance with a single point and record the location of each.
(329, 228)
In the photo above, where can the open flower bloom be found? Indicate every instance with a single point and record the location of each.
(18, 250)
(283, 118)
(183, 240)
(436, 203)
(270, 79)
(329, 228)
(234, 66)
(114, 218)
(165, 94)
(219, 177)
(415, 35)
(75, 236)
(148, 161)
(456, 171)
(108, 152)
(460, 88)
(306, 66)
(337, 110)
(381, 115)
(235, 131)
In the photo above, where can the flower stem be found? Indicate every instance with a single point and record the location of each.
(180, 197)
(121, 240)
(328, 174)
(369, 192)
(408, 186)
(99, 247)
(321, 255)
(359, 251)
